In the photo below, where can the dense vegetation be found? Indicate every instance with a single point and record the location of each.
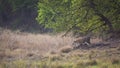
(81, 16)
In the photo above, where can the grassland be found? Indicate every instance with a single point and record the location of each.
(26, 50)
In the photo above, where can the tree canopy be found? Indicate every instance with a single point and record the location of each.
(80, 15)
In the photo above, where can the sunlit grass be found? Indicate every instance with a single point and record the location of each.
(60, 64)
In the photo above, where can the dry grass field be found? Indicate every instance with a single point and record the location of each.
(26, 50)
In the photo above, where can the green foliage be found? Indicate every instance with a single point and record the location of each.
(63, 14)
(51, 13)
(82, 16)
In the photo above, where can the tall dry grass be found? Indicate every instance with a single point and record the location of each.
(19, 44)
(26, 50)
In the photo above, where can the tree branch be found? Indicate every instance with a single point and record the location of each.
(74, 25)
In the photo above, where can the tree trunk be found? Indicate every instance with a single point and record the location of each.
(106, 22)
(103, 18)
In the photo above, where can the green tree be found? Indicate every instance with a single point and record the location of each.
(52, 13)
(79, 15)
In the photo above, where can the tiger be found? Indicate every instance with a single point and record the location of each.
(81, 42)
